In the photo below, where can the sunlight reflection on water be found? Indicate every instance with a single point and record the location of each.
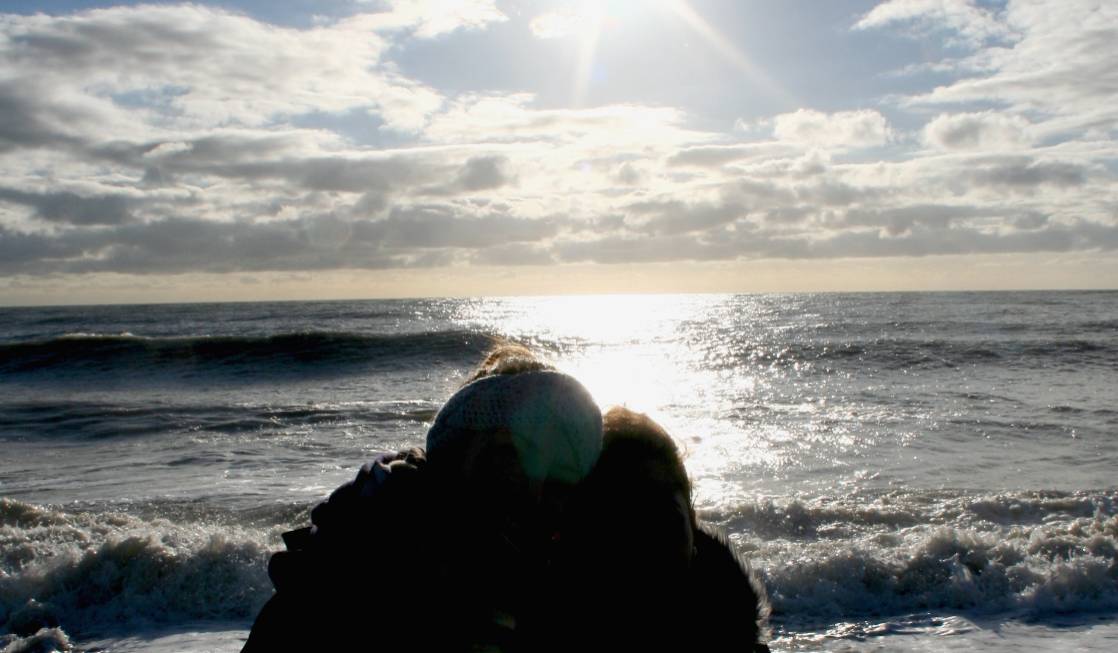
(656, 354)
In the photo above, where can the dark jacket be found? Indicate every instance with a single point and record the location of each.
(388, 565)
(356, 577)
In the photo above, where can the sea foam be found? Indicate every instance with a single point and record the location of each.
(1031, 554)
(90, 571)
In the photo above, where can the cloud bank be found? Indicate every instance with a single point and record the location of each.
(181, 138)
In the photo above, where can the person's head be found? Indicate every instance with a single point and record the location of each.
(635, 570)
(514, 436)
(635, 507)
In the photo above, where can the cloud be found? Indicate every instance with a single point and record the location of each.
(557, 25)
(71, 208)
(628, 174)
(918, 241)
(434, 18)
(645, 249)
(1058, 65)
(513, 254)
(903, 220)
(675, 217)
(484, 173)
(712, 156)
(843, 130)
(1029, 175)
(425, 227)
(987, 130)
(511, 117)
(970, 24)
(27, 123)
(190, 65)
(420, 235)
(180, 138)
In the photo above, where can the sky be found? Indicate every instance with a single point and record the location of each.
(382, 148)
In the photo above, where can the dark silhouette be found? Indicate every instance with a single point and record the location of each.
(521, 528)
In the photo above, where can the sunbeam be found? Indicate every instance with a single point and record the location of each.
(594, 17)
(728, 50)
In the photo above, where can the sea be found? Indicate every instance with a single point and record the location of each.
(904, 471)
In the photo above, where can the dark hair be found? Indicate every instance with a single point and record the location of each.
(633, 512)
(637, 450)
(637, 595)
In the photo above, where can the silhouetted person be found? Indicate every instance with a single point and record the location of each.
(520, 529)
(635, 570)
(441, 551)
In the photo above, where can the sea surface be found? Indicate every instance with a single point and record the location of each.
(913, 472)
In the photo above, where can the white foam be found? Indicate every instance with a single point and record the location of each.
(99, 571)
(43, 641)
(825, 560)
(933, 634)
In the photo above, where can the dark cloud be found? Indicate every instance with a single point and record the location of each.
(483, 173)
(675, 217)
(437, 226)
(70, 208)
(432, 237)
(646, 249)
(897, 221)
(340, 174)
(918, 241)
(1028, 175)
(277, 158)
(714, 156)
(923, 241)
(976, 130)
(21, 251)
(372, 203)
(477, 174)
(513, 254)
(759, 193)
(963, 133)
(787, 215)
(26, 122)
(834, 193)
(178, 245)
(76, 45)
(628, 174)
(1030, 220)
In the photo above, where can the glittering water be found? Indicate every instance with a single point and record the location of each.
(905, 470)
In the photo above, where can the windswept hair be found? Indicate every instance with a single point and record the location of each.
(630, 439)
(725, 600)
(508, 358)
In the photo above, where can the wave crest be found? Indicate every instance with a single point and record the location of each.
(90, 570)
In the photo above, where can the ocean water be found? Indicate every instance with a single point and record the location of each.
(914, 472)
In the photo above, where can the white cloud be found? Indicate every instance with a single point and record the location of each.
(512, 118)
(704, 156)
(187, 66)
(843, 130)
(556, 25)
(1059, 66)
(972, 25)
(433, 18)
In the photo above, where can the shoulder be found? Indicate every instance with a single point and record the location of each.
(730, 596)
(390, 482)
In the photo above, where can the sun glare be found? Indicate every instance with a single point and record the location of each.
(591, 21)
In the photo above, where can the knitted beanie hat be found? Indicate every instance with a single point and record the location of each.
(555, 425)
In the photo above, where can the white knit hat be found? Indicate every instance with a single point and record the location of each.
(556, 427)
